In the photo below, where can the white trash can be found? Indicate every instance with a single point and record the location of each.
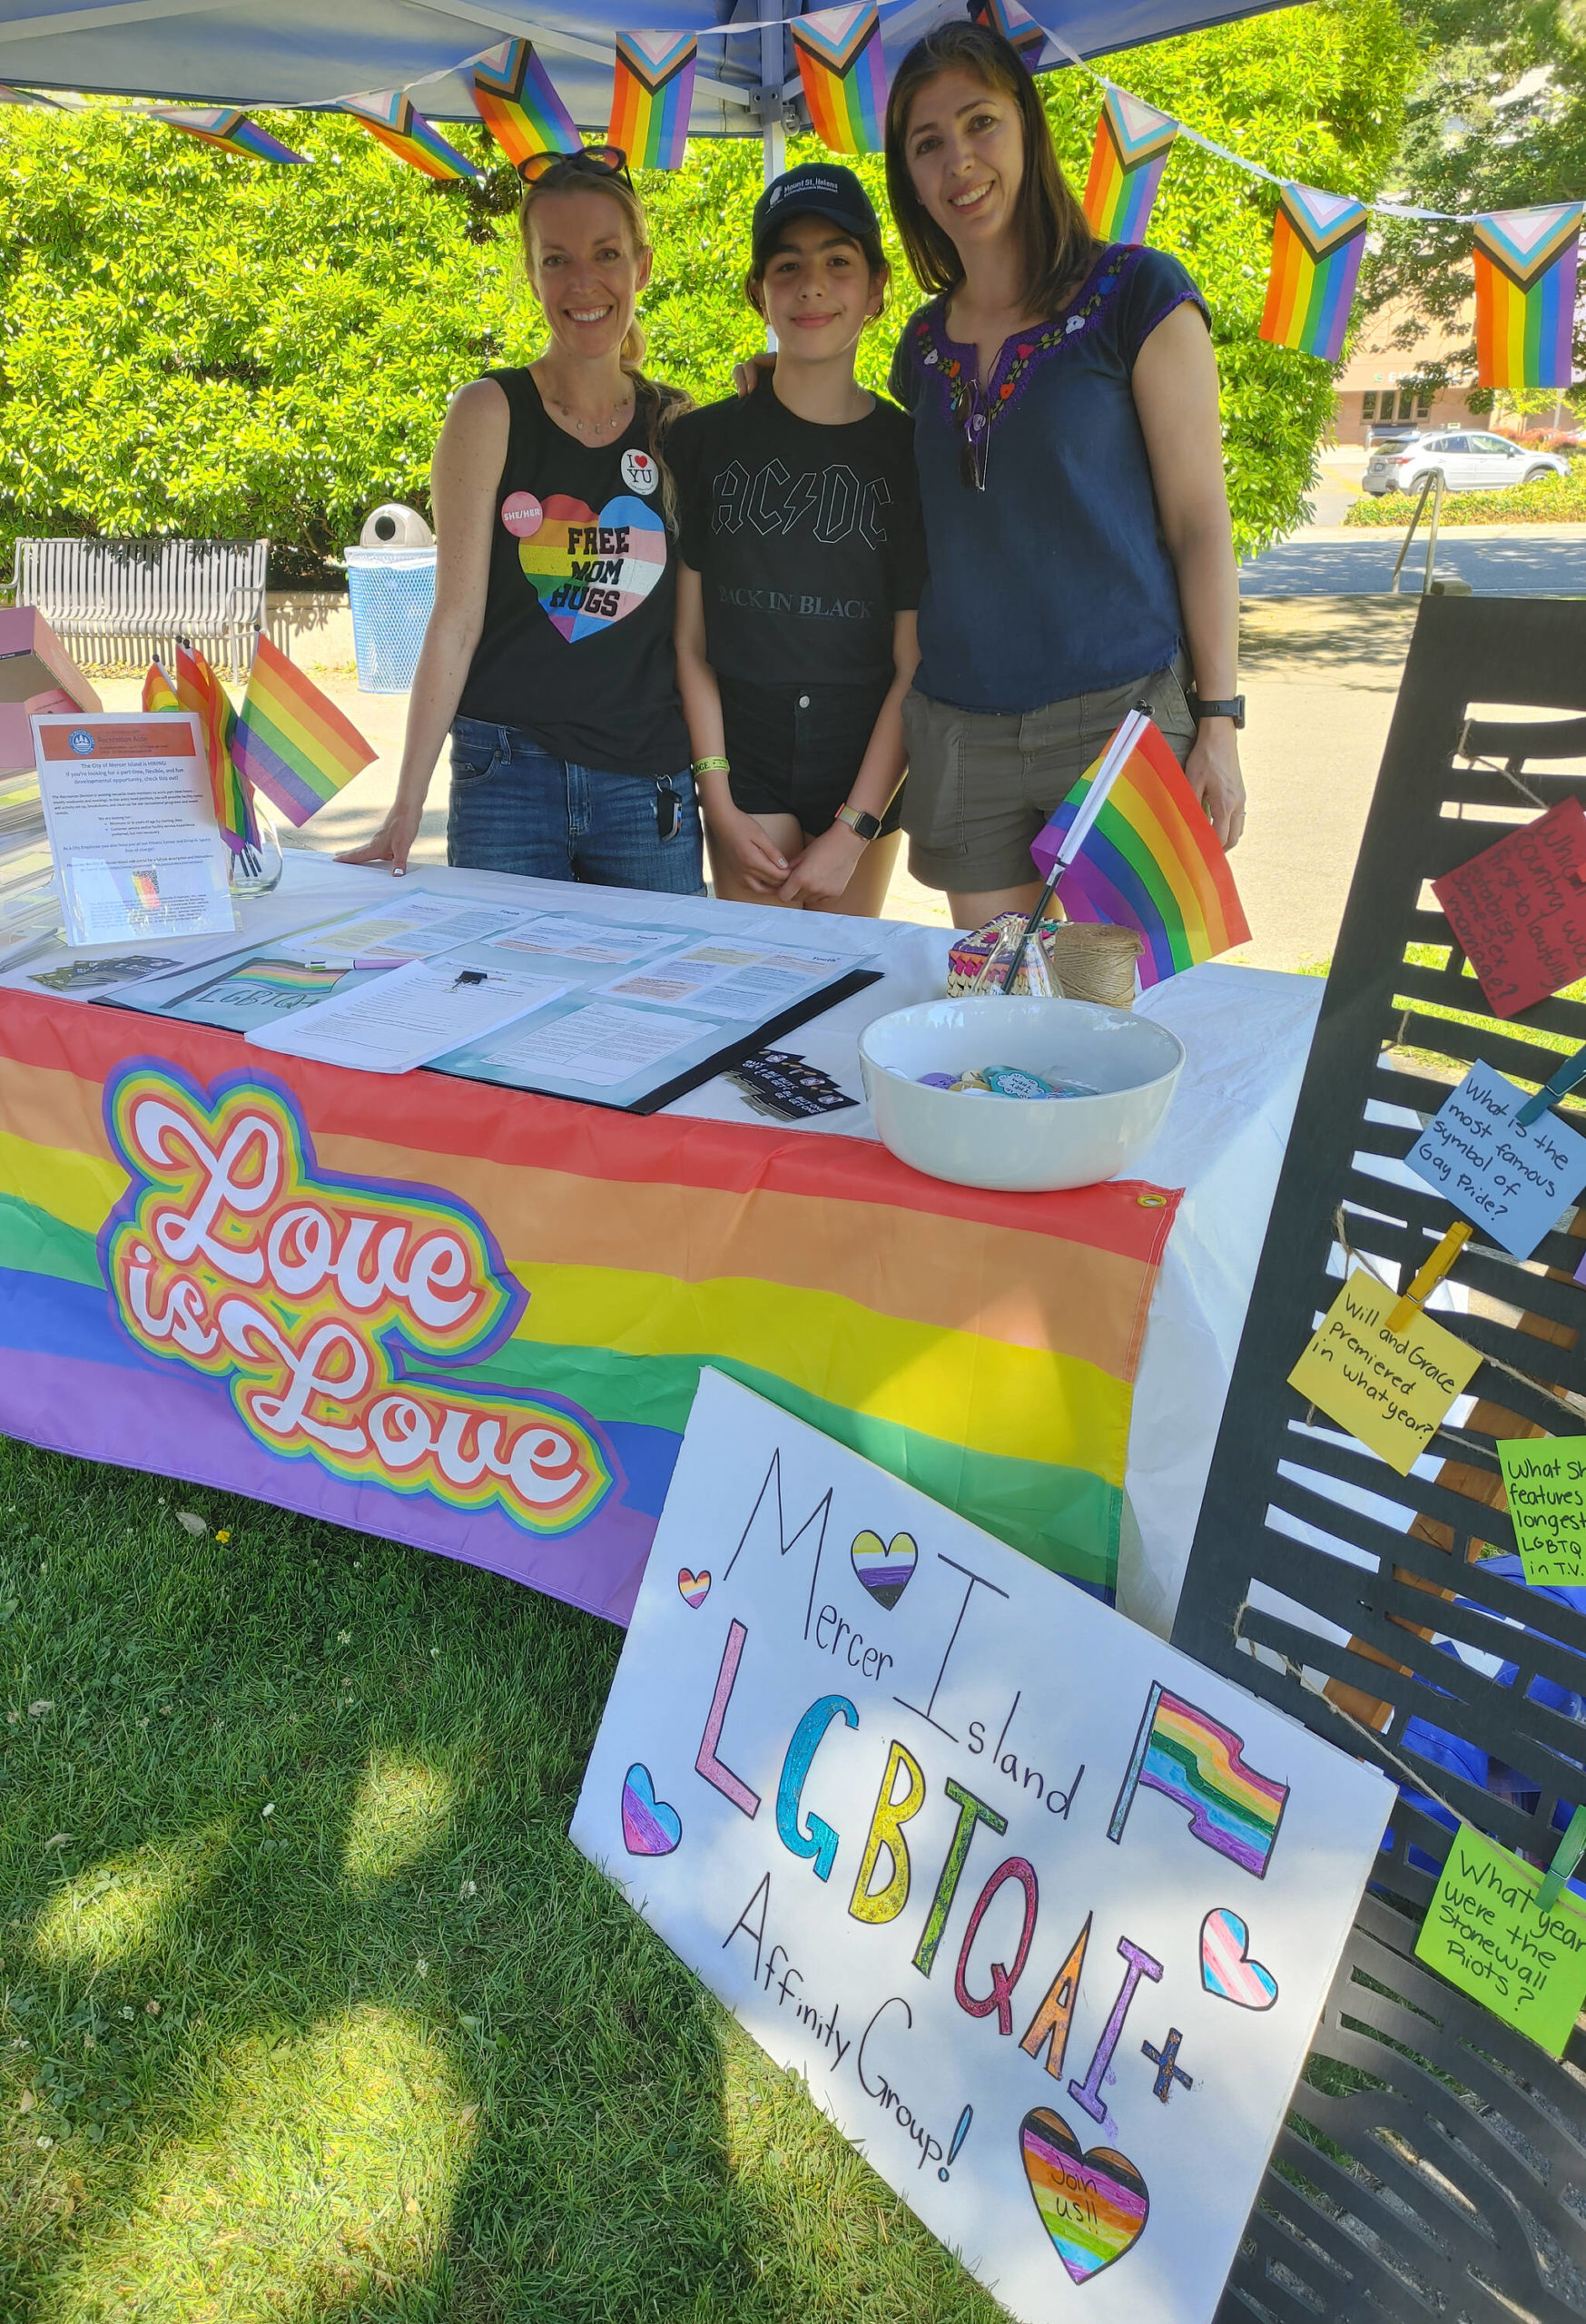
(392, 594)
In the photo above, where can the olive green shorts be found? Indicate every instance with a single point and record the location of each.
(981, 783)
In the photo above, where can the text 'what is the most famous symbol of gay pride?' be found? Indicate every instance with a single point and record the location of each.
(1042, 1911)
(335, 1311)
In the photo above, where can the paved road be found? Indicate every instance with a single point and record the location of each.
(1521, 560)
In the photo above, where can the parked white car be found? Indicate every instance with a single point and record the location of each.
(1468, 462)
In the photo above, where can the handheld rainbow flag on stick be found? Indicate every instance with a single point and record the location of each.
(1525, 296)
(1198, 1764)
(844, 75)
(1316, 244)
(194, 686)
(1133, 848)
(389, 114)
(1132, 144)
(292, 742)
(226, 127)
(519, 103)
(652, 97)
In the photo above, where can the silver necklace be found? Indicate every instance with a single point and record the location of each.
(595, 426)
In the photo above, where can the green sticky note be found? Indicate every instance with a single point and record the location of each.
(1483, 1932)
(1545, 1480)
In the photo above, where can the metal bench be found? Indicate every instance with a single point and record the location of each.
(113, 602)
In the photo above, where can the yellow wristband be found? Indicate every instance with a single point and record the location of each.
(711, 766)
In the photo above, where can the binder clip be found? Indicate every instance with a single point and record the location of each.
(1437, 1265)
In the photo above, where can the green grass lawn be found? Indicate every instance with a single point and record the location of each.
(307, 2007)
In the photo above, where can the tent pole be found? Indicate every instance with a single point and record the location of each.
(772, 135)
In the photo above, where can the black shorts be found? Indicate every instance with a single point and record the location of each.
(795, 750)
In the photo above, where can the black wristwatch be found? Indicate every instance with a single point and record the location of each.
(863, 826)
(1233, 708)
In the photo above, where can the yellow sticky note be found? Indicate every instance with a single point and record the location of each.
(1390, 1389)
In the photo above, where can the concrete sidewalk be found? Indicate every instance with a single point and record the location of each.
(1497, 560)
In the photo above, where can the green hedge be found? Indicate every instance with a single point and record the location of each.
(1559, 500)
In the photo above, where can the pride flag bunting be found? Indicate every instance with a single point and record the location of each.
(1132, 144)
(389, 114)
(652, 95)
(519, 103)
(11, 96)
(291, 741)
(1020, 30)
(1525, 296)
(191, 684)
(1316, 245)
(1200, 1765)
(1150, 861)
(844, 75)
(228, 127)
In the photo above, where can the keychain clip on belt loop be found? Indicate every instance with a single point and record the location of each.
(1559, 1085)
(1437, 1265)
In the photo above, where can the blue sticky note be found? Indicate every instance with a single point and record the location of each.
(1514, 1183)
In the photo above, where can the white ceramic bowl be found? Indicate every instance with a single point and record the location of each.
(1028, 1145)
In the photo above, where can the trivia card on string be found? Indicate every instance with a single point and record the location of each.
(1544, 1479)
(1390, 1389)
(1514, 1182)
(1483, 1932)
(1518, 909)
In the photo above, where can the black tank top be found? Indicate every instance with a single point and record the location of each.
(576, 646)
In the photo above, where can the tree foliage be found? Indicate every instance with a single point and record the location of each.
(201, 345)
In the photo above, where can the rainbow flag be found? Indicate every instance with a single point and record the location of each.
(1317, 240)
(1525, 262)
(652, 95)
(389, 115)
(10, 95)
(196, 687)
(981, 1347)
(1020, 30)
(1198, 1765)
(519, 103)
(291, 741)
(1132, 144)
(1150, 861)
(228, 127)
(844, 75)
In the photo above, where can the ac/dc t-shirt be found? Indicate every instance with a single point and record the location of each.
(807, 538)
(577, 646)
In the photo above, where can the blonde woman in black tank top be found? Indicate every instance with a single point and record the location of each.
(548, 658)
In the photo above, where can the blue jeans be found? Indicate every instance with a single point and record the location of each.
(514, 808)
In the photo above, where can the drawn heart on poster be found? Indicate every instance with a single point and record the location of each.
(885, 1568)
(649, 1826)
(589, 571)
(1093, 2206)
(1226, 1966)
(693, 1589)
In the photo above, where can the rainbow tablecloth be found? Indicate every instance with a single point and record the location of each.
(474, 1320)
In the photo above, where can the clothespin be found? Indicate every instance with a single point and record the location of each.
(1437, 1265)
(1573, 1069)
(1566, 1856)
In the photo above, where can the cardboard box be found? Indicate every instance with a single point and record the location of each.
(36, 675)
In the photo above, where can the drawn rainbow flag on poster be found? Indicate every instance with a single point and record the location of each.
(1150, 862)
(844, 75)
(291, 741)
(1317, 240)
(652, 95)
(982, 1346)
(1526, 262)
(518, 104)
(228, 127)
(1198, 1764)
(390, 115)
(1133, 141)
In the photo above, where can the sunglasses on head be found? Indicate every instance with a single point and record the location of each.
(589, 161)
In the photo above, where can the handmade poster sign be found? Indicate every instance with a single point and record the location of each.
(1519, 909)
(1483, 1932)
(1390, 1389)
(1514, 1182)
(1544, 1479)
(1043, 1911)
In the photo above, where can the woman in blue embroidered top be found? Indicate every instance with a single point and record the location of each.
(1065, 399)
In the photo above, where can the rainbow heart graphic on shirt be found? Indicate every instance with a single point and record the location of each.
(589, 571)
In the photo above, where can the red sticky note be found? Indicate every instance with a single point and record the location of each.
(1518, 909)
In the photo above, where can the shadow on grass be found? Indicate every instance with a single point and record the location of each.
(307, 2007)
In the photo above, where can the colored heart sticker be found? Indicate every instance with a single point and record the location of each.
(1226, 1966)
(589, 571)
(649, 1827)
(885, 1568)
(1093, 2206)
(693, 1589)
